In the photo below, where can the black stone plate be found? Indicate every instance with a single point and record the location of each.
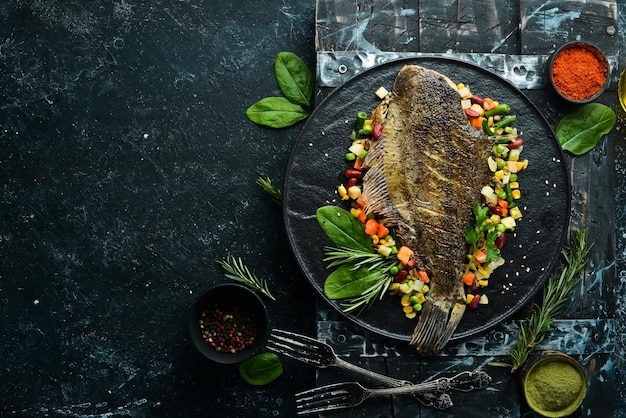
(316, 169)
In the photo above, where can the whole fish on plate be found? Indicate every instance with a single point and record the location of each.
(424, 175)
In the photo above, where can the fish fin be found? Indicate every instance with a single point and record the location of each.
(438, 321)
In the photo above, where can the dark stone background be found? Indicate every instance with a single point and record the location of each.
(127, 167)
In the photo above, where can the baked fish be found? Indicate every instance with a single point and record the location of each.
(424, 175)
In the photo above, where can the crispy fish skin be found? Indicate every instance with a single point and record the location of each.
(424, 175)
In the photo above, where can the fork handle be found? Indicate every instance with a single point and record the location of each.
(386, 380)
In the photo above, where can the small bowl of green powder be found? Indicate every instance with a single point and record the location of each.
(554, 384)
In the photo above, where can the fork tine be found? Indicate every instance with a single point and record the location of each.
(300, 347)
(323, 398)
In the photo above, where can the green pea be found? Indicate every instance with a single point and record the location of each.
(350, 156)
(414, 300)
(393, 270)
(500, 163)
(417, 307)
(367, 130)
(513, 177)
(500, 148)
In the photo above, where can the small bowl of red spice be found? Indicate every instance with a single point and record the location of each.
(579, 72)
(228, 323)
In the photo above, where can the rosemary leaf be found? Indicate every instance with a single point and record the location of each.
(235, 270)
(555, 294)
(268, 186)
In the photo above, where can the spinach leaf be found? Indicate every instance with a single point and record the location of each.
(347, 282)
(294, 78)
(343, 229)
(275, 112)
(261, 369)
(580, 131)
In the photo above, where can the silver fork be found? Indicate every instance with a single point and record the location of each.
(351, 394)
(322, 355)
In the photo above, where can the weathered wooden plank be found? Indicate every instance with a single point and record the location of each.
(547, 25)
(489, 26)
(438, 25)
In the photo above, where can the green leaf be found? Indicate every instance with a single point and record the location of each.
(580, 131)
(294, 78)
(347, 282)
(343, 229)
(261, 369)
(275, 112)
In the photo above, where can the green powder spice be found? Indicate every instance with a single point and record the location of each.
(553, 385)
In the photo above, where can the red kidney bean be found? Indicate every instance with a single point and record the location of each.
(400, 276)
(477, 100)
(352, 182)
(474, 303)
(353, 173)
(516, 144)
(377, 130)
(471, 113)
(500, 241)
(496, 210)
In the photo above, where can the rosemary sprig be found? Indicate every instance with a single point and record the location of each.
(235, 270)
(375, 292)
(268, 186)
(555, 294)
(359, 258)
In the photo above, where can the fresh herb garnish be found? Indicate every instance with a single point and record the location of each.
(480, 238)
(235, 270)
(294, 78)
(261, 369)
(555, 294)
(275, 112)
(581, 130)
(363, 275)
(268, 186)
(297, 83)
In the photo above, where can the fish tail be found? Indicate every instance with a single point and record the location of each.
(436, 324)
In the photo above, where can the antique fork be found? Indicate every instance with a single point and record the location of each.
(351, 394)
(322, 355)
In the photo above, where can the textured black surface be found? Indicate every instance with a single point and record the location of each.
(317, 164)
(127, 167)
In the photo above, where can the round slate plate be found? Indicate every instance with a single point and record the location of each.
(316, 169)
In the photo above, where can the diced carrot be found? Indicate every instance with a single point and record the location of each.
(362, 216)
(489, 103)
(382, 231)
(404, 254)
(371, 226)
(503, 203)
(361, 203)
(468, 278)
(481, 256)
(476, 122)
(358, 163)
(423, 276)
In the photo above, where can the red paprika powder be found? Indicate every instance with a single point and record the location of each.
(579, 71)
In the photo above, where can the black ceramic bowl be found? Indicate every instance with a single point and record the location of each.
(584, 63)
(227, 310)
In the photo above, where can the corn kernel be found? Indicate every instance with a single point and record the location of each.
(483, 283)
(495, 219)
(514, 185)
(469, 298)
(499, 174)
(411, 314)
(521, 165)
(405, 300)
(516, 194)
(343, 193)
(515, 213)
(394, 286)
(407, 309)
(355, 212)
